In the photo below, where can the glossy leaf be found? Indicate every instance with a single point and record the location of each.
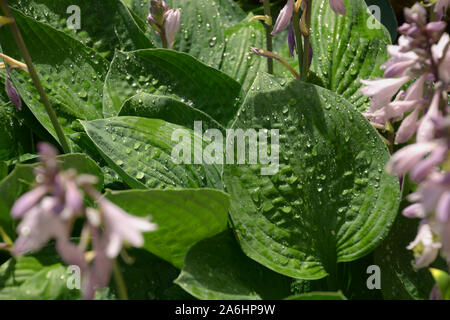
(216, 269)
(71, 73)
(184, 217)
(168, 109)
(174, 74)
(237, 60)
(140, 151)
(330, 200)
(104, 24)
(40, 277)
(347, 48)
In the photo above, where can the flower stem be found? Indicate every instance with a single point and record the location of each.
(305, 64)
(269, 43)
(298, 41)
(163, 37)
(118, 278)
(34, 76)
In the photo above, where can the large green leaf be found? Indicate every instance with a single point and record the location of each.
(330, 200)
(347, 48)
(216, 269)
(167, 72)
(399, 278)
(106, 25)
(71, 73)
(22, 178)
(168, 109)
(184, 217)
(237, 60)
(39, 277)
(14, 136)
(140, 151)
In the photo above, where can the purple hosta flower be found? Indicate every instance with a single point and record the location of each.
(172, 25)
(422, 54)
(441, 57)
(284, 18)
(50, 210)
(47, 210)
(441, 7)
(11, 91)
(164, 21)
(425, 246)
(39, 225)
(120, 227)
(413, 159)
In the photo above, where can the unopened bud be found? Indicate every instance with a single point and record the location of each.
(172, 25)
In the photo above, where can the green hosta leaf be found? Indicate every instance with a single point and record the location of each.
(14, 137)
(399, 279)
(237, 61)
(104, 24)
(72, 74)
(330, 200)
(230, 13)
(347, 48)
(318, 296)
(140, 150)
(174, 74)
(22, 178)
(166, 108)
(184, 217)
(3, 170)
(39, 277)
(216, 269)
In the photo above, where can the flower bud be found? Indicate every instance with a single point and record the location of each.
(172, 25)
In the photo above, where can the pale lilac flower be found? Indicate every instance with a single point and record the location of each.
(422, 54)
(50, 210)
(284, 18)
(441, 7)
(172, 25)
(441, 56)
(40, 224)
(11, 92)
(165, 21)
(426, 129)
(425, 247)
(409, 157)
(381, 91)
(120, 227)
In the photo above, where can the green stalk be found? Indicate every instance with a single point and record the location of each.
(306, 44)
(269, 43)
(121, 287)
(34, 76)
(299, 42)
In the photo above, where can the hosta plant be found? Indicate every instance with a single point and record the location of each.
(218, 149)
